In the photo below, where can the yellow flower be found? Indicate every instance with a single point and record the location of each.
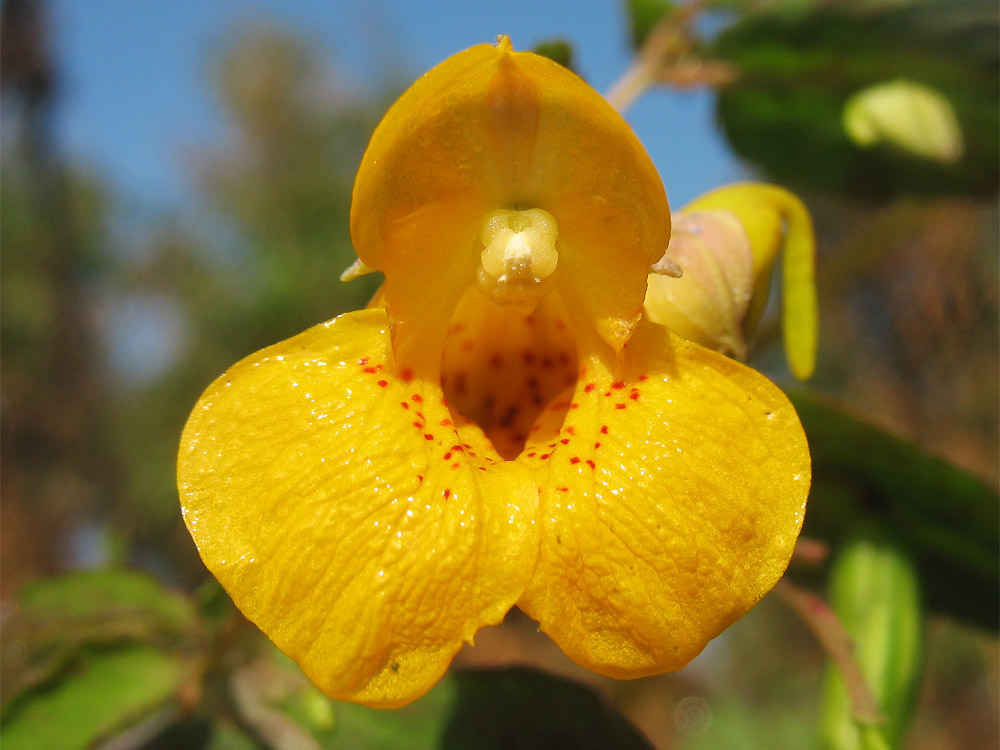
(507, 429)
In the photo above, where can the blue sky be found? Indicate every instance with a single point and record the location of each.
(136, 98)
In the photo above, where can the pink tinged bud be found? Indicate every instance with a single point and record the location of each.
(709, 302)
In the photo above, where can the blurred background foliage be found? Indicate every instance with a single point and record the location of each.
(109, 334)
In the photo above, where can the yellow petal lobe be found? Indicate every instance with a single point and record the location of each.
(348, 517)
(673, 493)
(492, 129)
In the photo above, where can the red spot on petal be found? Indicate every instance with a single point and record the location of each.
(404, 404)
(607, 393)
(496, 361)
(444, 402)
(363, 361)
(634, 395)
(455, 465)
(596, 446)
(619, 406)
(589, 387)
(446, 493)
(383, 383)
(564, 441)
(457, 448)
(574, 405)
(417, 397)
(571, 430)
(370, 370)
(618, 385)
(468, 346)
(591, 464)
(544, 456)
(604, 429)
(643, 378)
(406, 374)
(481, 468)
(531, 455)
(563, 489)
(428, 436)
(446, 422)
(447, 456)
(420, 477)
(529, 357)
(575, 460)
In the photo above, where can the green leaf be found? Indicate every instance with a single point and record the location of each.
(106, 690)
(468, 708)
(875, 592)
(54, 618)
(946, 519)
(643, 15)
(524, 708)
(800, 63)
(559, 50)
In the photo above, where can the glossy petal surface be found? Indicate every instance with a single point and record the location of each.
(672, 497)
(347, 516)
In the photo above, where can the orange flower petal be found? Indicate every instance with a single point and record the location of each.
(346, 515)
(673, 494)
(492, 129)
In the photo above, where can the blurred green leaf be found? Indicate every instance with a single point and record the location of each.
(643, 15)
(468, 708)
(54, 618)
(799, 63)
(226, 737)
(95, 595)
(948, 520)
(106, 690)
(875, 592)
(524, 708)
(559, 50)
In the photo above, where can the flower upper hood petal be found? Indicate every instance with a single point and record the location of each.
(492, 129)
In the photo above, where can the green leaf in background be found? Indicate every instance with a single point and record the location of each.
(946, 519)
(106, 690)
(523, 708)
(800, 63)
(643, 15)
(55, 618)
(482, 709)
(875, 593)
(559, 50)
